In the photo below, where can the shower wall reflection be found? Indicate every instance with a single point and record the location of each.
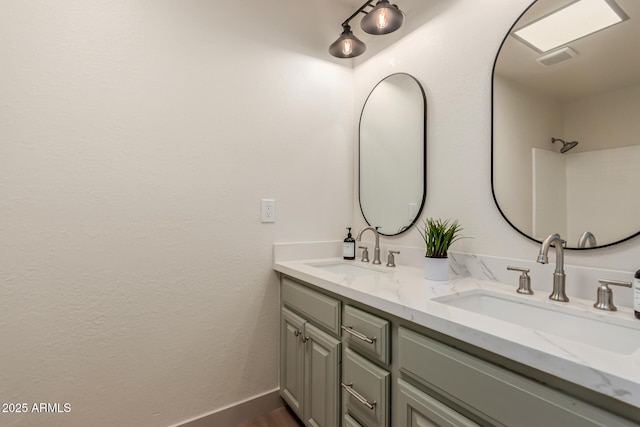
(578, 187)
(591, 187)
(593, 98)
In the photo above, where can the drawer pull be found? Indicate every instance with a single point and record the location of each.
(360, 336)
(359, 398)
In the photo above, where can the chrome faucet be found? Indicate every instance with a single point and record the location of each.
(559, 277)
(587, 238)
(376, 250)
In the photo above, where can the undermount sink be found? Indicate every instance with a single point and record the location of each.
(346, 269)
(559, 321)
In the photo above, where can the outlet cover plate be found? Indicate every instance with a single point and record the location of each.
(268, 210)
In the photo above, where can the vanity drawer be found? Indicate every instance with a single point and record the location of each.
(366, 333)
(365, 390)
(416, 408)
(322, 310)
(350, 422)
(493, 393)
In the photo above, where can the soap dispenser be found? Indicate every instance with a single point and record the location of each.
(349, 246)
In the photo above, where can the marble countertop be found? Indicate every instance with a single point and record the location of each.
(403, 292)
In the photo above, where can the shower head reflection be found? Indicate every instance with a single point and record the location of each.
(566, 146)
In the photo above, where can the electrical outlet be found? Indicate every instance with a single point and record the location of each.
(268, 210)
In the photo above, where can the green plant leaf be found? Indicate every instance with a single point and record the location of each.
(439, 235)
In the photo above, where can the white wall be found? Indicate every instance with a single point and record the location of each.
(550, 195)
(452, 55)
(602, 192)
(590, 191)
(605, 120)
(137, 139)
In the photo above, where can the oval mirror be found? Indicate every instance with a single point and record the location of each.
(392, 154)
(566, 128)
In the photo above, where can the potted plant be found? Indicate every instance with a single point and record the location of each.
(438, 236)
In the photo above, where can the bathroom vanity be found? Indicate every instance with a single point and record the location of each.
(373, 346)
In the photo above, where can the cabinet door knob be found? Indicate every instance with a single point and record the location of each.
(349, 389)
(305, 339)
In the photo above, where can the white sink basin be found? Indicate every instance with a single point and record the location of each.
(347, 269)
(571, 324)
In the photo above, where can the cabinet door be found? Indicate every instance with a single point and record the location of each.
(292, 360)
(322, 388)
(418, 409)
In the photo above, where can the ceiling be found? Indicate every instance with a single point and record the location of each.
(417, 13)
(607, 60)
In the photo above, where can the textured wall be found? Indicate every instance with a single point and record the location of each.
(452, 55)
(137, 138)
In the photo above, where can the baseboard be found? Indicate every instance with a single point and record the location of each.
(232, 415)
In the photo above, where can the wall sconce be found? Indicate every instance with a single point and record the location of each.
(383, 18)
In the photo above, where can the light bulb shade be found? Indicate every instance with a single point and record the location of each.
(347, 45)
(384, 18)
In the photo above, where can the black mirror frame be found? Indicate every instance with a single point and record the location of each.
(424, 157)
(493, 191)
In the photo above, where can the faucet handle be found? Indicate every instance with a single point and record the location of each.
(365, 253)
(524, 284)
(391, 261)
(605, 294)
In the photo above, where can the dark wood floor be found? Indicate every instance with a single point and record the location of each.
(281, 417)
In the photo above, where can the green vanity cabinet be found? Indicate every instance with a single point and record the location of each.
(310, 355)
(344, 363)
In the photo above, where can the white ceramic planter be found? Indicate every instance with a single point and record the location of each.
(436, 268)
